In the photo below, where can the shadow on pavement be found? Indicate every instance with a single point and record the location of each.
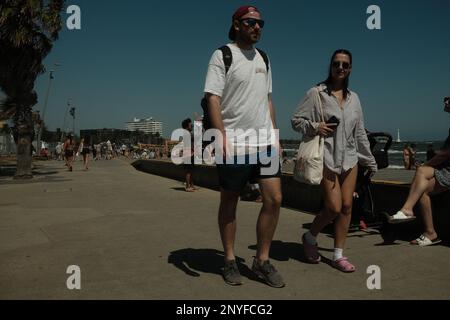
(283, 251)
(40, 174)
(179, 189)
(192, 261)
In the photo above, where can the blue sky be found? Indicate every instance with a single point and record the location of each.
(141, 58)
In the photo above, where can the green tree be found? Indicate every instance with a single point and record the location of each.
(28, 29)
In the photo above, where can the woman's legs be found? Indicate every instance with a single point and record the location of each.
(85, 160)
(331, 191)
(425, 203)
(69, 163)
(348, 182)
(419, 185)
(338, 199)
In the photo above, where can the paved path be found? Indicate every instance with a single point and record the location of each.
(139, 236)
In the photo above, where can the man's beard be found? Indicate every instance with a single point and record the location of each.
(251, 38)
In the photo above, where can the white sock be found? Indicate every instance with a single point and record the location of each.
(337, 253)
(310, 238)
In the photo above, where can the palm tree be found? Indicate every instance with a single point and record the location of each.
(28, 29)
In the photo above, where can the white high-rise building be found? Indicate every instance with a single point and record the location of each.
(146, 125)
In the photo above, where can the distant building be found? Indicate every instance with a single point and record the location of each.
(145, 125)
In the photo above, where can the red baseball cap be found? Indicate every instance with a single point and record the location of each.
(242, 11)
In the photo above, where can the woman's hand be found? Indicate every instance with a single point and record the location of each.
(326, 129)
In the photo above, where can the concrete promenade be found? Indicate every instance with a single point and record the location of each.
(140, 236)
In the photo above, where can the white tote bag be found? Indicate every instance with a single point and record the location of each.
(309, 165)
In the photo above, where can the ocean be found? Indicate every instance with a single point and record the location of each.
(395, 152)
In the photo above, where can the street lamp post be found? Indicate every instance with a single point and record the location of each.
(44, 109)
(72, 113)
(66, 129)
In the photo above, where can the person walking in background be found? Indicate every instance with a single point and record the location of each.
(238, 93)
(109, 152)
(431, 178)
(59, 151)
(345, 145)
(68, 152)
(94, 151)
(80, 149)
(188, 153)
(85, 151)
(98, 147)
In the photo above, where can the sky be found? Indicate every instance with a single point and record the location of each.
(145, 58)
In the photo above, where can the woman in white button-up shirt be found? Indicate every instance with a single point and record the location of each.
(345, 145)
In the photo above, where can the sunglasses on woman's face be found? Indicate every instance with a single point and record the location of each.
(344, 65)
(252, 22)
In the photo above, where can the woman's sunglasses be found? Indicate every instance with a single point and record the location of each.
(252, 22)
(337, 64)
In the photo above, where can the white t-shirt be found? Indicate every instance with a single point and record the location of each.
(244, 94)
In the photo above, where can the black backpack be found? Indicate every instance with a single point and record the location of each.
(228, 60)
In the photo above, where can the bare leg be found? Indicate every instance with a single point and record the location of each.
(227, 221)
(418, 187)
(425, 203)
(342, 223)
(268, 216)
(331, 192)
(189, 181)
(85, 161)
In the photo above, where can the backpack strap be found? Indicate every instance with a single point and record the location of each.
(265, 58)
(227, 57)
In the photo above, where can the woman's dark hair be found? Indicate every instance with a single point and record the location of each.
(70, 138)
(185, 123)
(328, 81)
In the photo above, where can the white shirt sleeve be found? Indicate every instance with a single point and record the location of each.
(215, 78)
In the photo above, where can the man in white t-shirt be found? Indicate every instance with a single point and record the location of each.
(240, 99)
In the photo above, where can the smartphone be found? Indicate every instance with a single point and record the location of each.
(333, 120)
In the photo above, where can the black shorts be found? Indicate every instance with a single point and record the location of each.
(68, 153)
(85, 151)
(234, 177)
(189, 166)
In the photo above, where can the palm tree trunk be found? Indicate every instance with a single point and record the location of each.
(25, 133)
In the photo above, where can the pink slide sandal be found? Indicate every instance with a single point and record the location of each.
(343, 265)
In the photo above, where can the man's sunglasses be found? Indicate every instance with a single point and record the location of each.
(337, 64)
(252, 22)
(447, 100)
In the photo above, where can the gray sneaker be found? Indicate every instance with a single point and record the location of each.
(268, 273)
(231, 273)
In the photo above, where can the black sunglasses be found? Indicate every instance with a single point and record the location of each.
(447, 100)
(337, 64)
(251, 22)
